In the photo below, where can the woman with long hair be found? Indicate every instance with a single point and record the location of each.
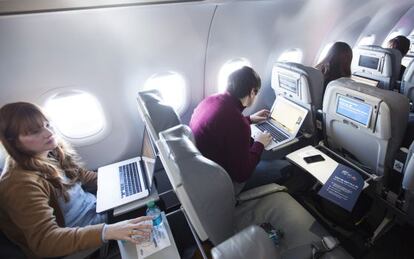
(337, 62)
(45, 207)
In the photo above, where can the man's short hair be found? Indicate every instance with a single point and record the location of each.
(242, 81)
(401, 43)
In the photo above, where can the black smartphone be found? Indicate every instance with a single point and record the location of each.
(313, 159)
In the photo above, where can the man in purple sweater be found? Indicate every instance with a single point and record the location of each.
(222, 132)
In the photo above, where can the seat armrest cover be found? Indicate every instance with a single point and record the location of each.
(251, 242)
(260, 191)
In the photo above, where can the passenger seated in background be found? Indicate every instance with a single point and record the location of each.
(401, 43)
(43, 206)
(337, 62)
(222, 132)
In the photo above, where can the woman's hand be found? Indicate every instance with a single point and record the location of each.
(259, 116)
(130, 230)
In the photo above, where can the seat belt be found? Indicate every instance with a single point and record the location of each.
(327, 244)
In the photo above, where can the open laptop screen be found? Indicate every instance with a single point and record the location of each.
(355, 110)
(288, 115)
(149, 156)
(147, 149)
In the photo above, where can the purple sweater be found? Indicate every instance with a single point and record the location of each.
(222, 134)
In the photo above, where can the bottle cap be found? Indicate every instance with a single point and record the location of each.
(150, 204)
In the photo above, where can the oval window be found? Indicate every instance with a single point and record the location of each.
(172, 87)
(228, 68)
(367, 40)
(75, 114)
(291, 55)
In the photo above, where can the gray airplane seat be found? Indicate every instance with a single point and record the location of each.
(156, 115)
(365, 123)
(302, 85)
(407, 83)
(408, 185)
(407, 89)
(207, 196)
(381, 66)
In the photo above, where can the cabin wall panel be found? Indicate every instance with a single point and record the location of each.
(109, 52)
(261, 31)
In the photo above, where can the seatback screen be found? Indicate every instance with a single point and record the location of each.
(355, 110)
(288, 83)
(368, 62)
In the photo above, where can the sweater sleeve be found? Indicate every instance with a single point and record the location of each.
(30, 210)
(242, 157)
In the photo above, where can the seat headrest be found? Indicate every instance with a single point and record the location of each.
(156, 115)
(150, 96)
(375, 62)
(180, 144)
(299, 83)
(407, 82)
(180, 131)
(409, 73)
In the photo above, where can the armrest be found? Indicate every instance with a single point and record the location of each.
(251, 242)
(260, 191)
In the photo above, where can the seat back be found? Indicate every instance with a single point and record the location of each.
(302, 85)
(366, 122)
(377, 63)
(156, 115)
(408, 184)
(203, 187)
(408, 179)
(407, 82)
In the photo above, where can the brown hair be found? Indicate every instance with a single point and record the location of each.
(21, 118)
(337, 62)
(242, 81)
(401, 43)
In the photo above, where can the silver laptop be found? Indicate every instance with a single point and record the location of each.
(284, 122)
(126, 181)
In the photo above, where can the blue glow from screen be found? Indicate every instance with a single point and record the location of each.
(354, 110)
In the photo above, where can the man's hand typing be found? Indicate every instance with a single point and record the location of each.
(259, 116)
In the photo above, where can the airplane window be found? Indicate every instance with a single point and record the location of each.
(367, 40)
(75, 114)
(228, 68)
(324, 52)
(291, 55)
(172, 87)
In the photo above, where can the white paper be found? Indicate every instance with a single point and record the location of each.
(160, 240)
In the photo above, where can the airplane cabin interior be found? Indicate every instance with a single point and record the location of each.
(122, 79)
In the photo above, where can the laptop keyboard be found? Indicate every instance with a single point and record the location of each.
(129, 179)
(277, 135)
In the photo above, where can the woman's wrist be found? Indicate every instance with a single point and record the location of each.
(103, 234)
(106, 232)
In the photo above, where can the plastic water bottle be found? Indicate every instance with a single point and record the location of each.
(155, 213)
